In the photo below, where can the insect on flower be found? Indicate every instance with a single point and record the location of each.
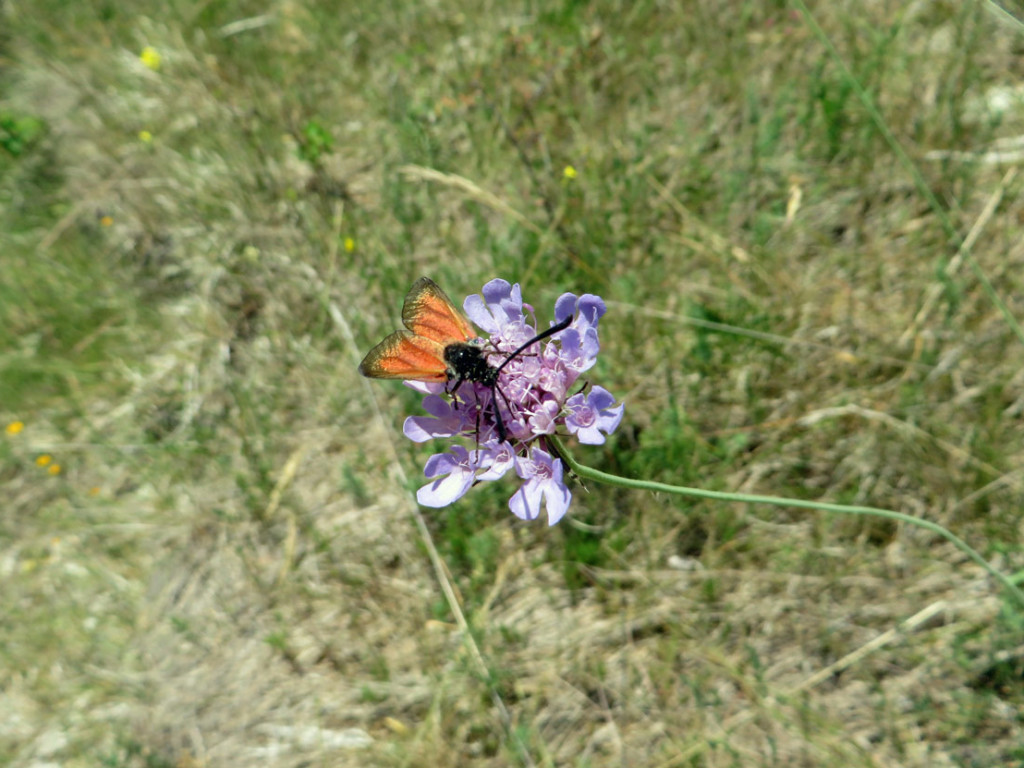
(441, 345)
(440, 352)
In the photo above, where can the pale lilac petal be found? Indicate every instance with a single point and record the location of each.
(591, 346)
(542, 422)
(419, 429)
(455, 473)
(555, 379)
(565, 306)
(444, 491)
(525, 503)
(588, 308)
(543, 484)
(579, 350)
(500, 307)
(588, 435)
(476, 310)
(502, 459)
(600, 398)
(592, 414)
(513, 334)
(591, 309)
(611, 418)
(426, 387)
(558, 497)
(447, 421)
(505, 301)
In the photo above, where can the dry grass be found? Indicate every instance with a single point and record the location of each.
(228, 569)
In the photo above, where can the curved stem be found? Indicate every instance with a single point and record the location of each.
(647, 485)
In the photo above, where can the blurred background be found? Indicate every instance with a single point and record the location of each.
(210, 210)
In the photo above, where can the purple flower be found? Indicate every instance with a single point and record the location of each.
(592, 414)
(543, 476)
(455, 472)
(529, 401)
(446, 421)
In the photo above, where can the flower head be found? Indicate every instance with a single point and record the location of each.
(510, 421)
(150, 57)
(543, 483)
(592, 414)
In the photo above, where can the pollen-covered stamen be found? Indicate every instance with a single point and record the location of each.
(541, 470)
(554, 378)
(543, 420)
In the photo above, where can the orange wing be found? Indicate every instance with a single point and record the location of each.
(404, 355)
(428, 312)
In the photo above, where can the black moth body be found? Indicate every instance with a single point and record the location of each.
(467, 362)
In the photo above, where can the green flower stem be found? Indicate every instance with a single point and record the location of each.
(598, 476)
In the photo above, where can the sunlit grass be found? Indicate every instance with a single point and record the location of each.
(198, 204)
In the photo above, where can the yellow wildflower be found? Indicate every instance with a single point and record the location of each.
(15, 427)
(54, 469)
(569, 172)
(106, 220)
(44, 460)
(150, 57)
(145, 137)
(350, 245)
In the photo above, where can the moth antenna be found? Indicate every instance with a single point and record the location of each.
(539, 337)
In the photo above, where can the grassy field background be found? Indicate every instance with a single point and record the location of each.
(210, 210)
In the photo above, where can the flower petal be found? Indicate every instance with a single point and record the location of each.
(557, 497)
(444, 491)
(525, 503)
(502, 459)
(447, 421)
(458, 470)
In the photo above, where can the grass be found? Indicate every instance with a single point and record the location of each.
(225, 570)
